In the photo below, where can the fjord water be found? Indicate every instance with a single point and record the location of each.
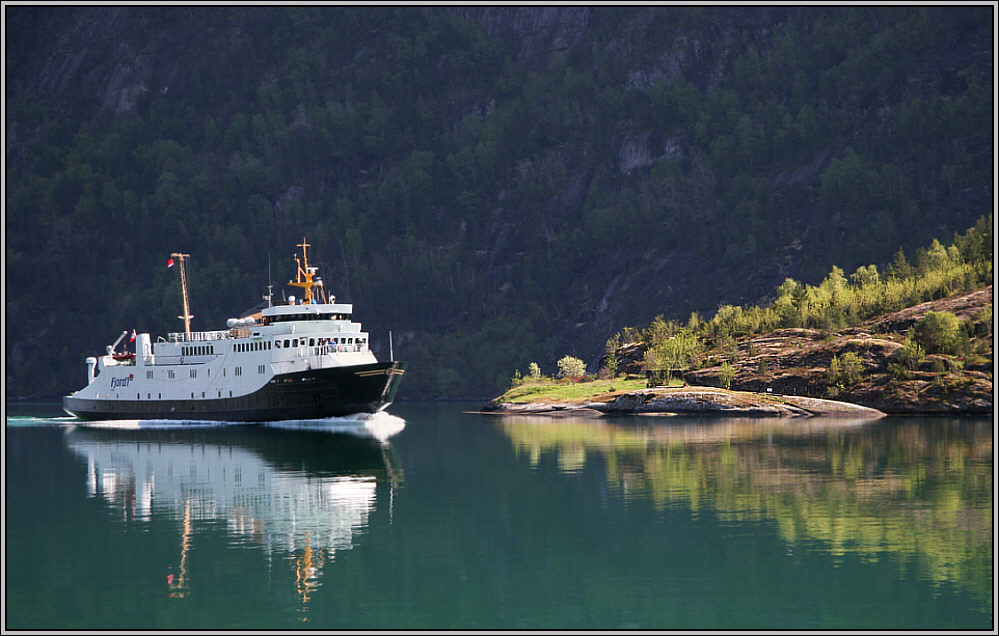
(430, 517)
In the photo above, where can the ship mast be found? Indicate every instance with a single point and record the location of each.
(307, 273)
(183, 288)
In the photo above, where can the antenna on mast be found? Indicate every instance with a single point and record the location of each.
(270, 286)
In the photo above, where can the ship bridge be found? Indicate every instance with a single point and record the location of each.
(315, 311)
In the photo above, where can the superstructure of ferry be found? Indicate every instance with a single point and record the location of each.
(298, 360)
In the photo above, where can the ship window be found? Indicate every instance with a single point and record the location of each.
(170, 374)
(277, 344)
(312, 342)
(260, 369)
(149, 395)
(194, 373)
(149, 375)
(287, 343)
(138, 397)
(159, 396)
(202, 394)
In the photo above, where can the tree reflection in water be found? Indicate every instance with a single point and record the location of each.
(918, 489)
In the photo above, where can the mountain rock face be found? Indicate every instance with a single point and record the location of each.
(497, 185)
(533, 34)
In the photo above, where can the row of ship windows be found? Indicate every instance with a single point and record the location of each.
(203, 350)
(159, 396)
(270, 320)
(291, 343)
(172, 375)
(245, 347)
(287, 343)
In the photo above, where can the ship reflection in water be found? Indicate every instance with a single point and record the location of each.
(917, 491)
(300, 491)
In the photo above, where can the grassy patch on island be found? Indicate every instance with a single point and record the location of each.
(553, 391)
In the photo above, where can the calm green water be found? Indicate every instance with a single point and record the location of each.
(433, 518)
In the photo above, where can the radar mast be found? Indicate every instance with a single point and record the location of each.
(305, 274)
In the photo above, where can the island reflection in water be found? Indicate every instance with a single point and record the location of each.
(916, 489)
(300, 491)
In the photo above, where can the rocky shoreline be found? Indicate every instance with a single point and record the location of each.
(691, 401)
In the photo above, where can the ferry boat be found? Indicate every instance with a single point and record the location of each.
(299, 360)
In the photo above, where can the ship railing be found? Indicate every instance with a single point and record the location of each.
(198, 336)
(338, 348)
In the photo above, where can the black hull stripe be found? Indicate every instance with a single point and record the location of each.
(302, 395)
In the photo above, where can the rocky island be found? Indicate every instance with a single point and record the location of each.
(815, 351)
(691, 400)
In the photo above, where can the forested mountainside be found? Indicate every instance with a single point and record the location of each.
(496, 185)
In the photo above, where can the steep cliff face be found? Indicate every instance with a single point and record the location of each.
(534, 34)
(597, 164)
